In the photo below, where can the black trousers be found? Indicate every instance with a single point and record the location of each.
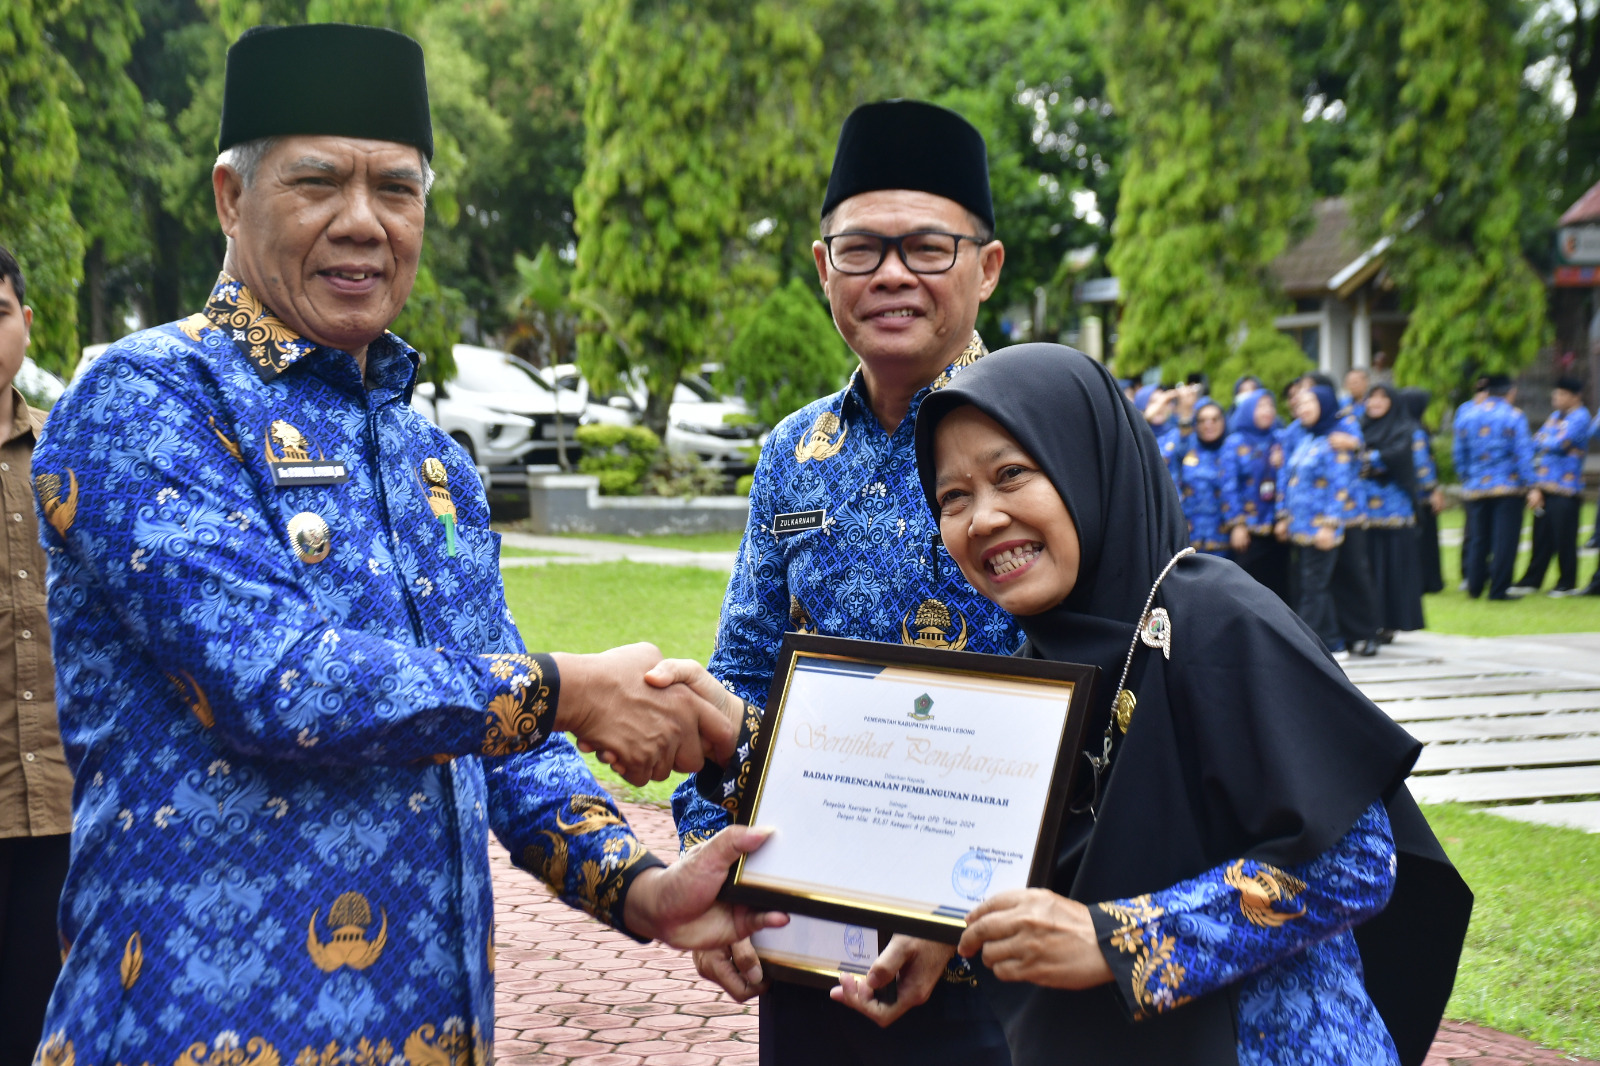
(1267, 560)
(1355, 593)
(1555, 535)
(1316, 607)
(1494, 527)
(1428, 547)
(32, 871)
(801, 1026)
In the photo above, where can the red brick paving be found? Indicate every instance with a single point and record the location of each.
(574, 993)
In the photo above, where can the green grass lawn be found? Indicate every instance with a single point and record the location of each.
(592, 608)
(1532, 958)
(689, 542)
(527, 553)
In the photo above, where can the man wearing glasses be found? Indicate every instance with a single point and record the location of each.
(840, 541)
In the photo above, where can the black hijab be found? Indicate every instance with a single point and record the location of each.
(1391, 437)
(1249, 742)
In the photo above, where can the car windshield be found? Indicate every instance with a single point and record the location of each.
(697, 388)
(488, 371)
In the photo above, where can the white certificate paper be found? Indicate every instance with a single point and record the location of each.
(906, 790)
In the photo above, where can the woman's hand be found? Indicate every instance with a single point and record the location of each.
(1436, 500)
(1239, 538)
(914, 966)
(1322, 540)
(736, 968)
(1034, 935)
(1281, 529)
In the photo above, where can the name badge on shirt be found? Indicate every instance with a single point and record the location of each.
(798, 521)
(291, 463)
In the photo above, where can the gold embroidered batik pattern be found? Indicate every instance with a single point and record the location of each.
(363, 1052)
(515, 719)
(228, 1049)
(269, 343)
(449, 1045)
(56, 1050)
(1260, 890)
(974, 351)
(599, 882)
(132, 961)
(349, 919)
(752, 728)
(1141, 936)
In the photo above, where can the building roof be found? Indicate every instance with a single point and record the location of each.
(1587, 209)
(1308, 268)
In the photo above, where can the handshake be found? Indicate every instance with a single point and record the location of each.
(646, 716)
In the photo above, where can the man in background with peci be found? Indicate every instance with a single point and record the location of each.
(291, 689)
(1494, 461)
(840, 541)
(35, 784)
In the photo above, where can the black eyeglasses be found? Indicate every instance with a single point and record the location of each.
(923, 252)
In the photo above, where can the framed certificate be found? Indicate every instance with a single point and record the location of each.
(905, 785)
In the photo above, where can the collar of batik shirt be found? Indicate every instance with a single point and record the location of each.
(272, 346)
(974, 351)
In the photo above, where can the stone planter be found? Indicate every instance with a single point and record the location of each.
(571, 503)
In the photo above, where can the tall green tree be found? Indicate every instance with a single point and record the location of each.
(1441, 84)
(680, 131)
(38, 159)
(787, 354)
(1214, 181)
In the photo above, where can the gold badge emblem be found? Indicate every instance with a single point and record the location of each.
(292, 462)
(349, 918)
(309, 536)
(800, 618)
(934, 628)
(292, 444)
(1123, 709)
(436, 479)
(59, 511)
(819, 442)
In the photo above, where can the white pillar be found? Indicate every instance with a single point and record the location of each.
(1361, 333)
(1325, 340)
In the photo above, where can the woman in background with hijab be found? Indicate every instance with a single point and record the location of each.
(1243, 877)
(1318, 480)
(1429, 497)
(1200, 481)
(1389, 483)
(1252, 458)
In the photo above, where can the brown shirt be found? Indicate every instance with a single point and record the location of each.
(35, 784)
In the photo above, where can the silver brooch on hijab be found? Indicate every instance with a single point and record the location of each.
(1155, 631)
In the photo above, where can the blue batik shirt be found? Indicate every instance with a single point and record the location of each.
(1318, 480)
(1388, 504)
(1493, 450)
(294, 702)
(1201, 485)
(1422, 456)
(1558, 451)
(867, 567)
(1352, 512)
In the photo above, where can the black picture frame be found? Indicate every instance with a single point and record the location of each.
(1066, 765)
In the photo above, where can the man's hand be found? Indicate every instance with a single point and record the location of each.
(1275, 455)
(1436, 500)
(1322, 540)
(646, 731)
(1239, 537)
(736, 968)
(1280, 529)
(1158, 408)
(1536, 499)
(1034, 935)
(678, 904)
(1188, 398)
(914, 965)
(669, 672)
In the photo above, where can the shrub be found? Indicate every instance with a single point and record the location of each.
(620, 456)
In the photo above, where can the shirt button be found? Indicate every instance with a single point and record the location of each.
(16, 517)
(27, 634)
(27, 694)
(22, 574)
(29, 756)
(5, 466)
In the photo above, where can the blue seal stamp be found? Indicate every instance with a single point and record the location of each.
(855, 944)
(971, 875)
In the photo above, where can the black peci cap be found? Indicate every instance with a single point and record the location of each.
(328, 78)
(908, 144)
(1570, 384)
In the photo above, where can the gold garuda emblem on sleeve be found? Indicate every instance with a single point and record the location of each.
(819, 442)
(59, 510)
(350, 917)
(934, 628)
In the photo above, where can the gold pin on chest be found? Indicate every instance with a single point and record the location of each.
(436, 480)
(309, 536)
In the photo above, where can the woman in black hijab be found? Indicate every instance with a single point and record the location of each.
(1430, 500)
(1246, 808)
(1389, 483)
